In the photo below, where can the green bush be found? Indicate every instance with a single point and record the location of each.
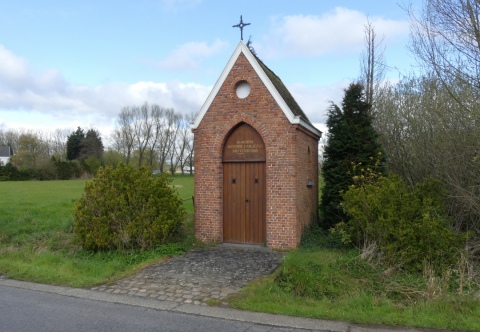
(67, 170)
(92, 164)
(409, 227)
(10, 172)
(126, 208)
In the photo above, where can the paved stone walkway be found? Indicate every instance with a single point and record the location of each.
(200, 275)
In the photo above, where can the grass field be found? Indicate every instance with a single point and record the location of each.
(184, 185)
(36, 239)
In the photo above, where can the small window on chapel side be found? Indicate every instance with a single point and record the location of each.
(243, 89)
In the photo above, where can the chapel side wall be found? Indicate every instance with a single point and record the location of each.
(307, 169)
(281, 188)
(260, 111)
(207, 190)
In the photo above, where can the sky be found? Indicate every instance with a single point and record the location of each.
(65, 64)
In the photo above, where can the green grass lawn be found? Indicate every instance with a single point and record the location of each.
(184, 184)
(37, 243)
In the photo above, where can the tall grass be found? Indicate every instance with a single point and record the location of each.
(37, 242)
(322, 280)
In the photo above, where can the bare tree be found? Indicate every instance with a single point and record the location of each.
(173, 157)
(185, 143)
(167, 136)
(123, 136)
(372, 64)
(148, 132)
(446, 40)
(159, 120)
(58, 143)
(425, 134)
(190, 147)
(143, 126)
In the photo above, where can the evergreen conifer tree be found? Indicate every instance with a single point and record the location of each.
(351, 140)
(91, 145)
(74, 144)
(80, 146)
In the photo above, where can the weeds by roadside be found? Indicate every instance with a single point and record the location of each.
(324, 279)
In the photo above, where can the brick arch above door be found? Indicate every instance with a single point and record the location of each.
(244, 144)
(231, 124)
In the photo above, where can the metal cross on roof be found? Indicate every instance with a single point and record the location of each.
(241, 25)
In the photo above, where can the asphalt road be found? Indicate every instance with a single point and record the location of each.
(28, 310)
(26, 306)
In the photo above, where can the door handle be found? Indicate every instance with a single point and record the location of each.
(246, 201)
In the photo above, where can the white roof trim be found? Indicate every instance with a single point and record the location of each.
(303, 123)
(242, 48)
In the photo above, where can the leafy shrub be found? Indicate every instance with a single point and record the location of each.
(66, 170)
(409, 228)
(126, 208)
(10, 172)
(52, 169)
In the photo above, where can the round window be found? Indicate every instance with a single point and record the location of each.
(242, 89)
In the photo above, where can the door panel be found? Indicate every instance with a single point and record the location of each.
(233, 203)
(244, 203)
(255, 205)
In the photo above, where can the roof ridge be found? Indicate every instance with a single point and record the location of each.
(273, 83)
(283, 90)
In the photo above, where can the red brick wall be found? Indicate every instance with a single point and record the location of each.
(289, 202)
(307, 170)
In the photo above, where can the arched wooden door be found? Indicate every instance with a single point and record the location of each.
(244, 187)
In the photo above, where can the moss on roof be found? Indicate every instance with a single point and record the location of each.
(283, 91)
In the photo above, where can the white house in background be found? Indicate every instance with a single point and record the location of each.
(4, 155)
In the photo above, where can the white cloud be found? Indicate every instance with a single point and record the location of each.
(191, 54)
(13, 69)
(45, 100)
(95, 106)
(337, 31)
(315, 100)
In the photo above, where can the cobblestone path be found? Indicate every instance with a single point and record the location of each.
(200, 275)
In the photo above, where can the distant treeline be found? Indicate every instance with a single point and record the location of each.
(147, 135)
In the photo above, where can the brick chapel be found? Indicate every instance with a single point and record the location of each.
(256, 159)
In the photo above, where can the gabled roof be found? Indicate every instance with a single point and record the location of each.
(4, 151)
(274, 84)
